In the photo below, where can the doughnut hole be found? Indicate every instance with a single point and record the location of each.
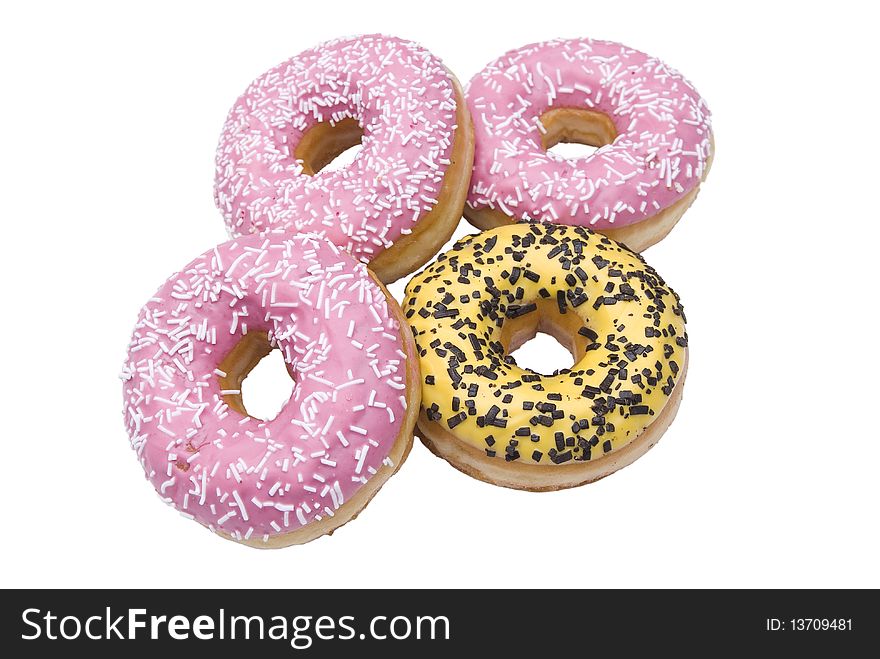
(574, 133)
(329, 146)
(559, 344)
(269, 383)
(543, 354)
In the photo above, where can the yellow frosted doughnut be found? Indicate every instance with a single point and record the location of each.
(518, 428)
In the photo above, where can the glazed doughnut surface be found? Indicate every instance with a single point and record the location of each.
(262, 481)
(652, 127)
(494, 290)
(298, 115)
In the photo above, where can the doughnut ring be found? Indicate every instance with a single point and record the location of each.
(347, 426)
(518, 428)
(652, 128)
(401, 198)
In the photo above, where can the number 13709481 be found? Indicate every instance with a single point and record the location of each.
(809, 624)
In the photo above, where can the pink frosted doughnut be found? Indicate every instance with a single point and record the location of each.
(346, 427)
(400, 199)
(653, 129)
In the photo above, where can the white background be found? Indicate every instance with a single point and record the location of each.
(768, 477)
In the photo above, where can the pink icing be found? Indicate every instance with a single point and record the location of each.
(238, 474)
(659, 155)
(403, 98)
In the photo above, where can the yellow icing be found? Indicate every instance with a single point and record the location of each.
(469, 307)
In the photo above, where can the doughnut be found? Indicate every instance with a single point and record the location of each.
(402, 197)
(652, 128)
(347, 426)
(518, 428)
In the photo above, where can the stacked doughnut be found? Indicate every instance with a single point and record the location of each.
(312, 248)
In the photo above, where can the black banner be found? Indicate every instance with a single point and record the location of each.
(288, 623)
